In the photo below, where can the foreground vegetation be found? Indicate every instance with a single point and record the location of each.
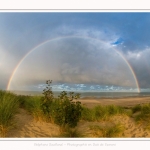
(112, 131)
(66, 111)
(61, 110)
(101, 113)
(142, 114)
(8, 108)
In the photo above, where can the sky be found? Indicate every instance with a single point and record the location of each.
(78, 51)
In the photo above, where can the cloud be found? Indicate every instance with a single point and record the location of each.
(79, 61)
(117, 42)
(74, 60)
(21, 32)
(141, 65)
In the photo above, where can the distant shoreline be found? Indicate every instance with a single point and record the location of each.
(87, 95)
(117, 97)
(124, 100)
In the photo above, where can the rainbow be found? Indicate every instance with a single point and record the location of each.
(14, 71)
(131, 69)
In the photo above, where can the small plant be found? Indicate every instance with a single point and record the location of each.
(48, 98)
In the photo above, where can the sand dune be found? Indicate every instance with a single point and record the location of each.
(26, 126)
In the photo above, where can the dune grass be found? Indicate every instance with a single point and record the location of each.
(99, 113)
(22, 100)
(105, 131)
(136, 108)
(8, 108)
(143, 115)
(68, 132)
(34, 105)
(66, 113)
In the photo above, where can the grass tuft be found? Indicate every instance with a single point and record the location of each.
(143, 115)
(8, 108)
(100, 112)
(113, 131)
(33, 105)
(136, 108)
(68, 132)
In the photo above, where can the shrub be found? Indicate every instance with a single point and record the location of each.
(68, 111)
(48, 98)
(63, 110)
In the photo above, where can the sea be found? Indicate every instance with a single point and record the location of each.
(90, 94)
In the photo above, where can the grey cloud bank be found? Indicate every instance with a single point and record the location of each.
(74, 60)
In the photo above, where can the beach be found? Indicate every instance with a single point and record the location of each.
(124, 102)
(27, 127)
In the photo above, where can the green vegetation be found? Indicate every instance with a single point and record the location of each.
(62, 110)
(136, 108)
(8, 108)
(100, 113)
(34, 105)
(66, 111)
(143, 115)
(22, 100)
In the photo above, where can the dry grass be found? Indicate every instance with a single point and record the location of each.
(107, 131)
(68, 132)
